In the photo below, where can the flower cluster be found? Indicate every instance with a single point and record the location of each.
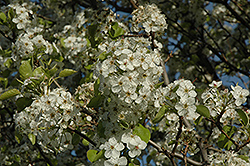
(22, 15)
(181, 93)
(223, 102)
(227, 158)
(150, 18)
(48, 118)
(113, 148)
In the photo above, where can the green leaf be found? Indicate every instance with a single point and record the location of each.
(38, 72)
(23, 103)
(203, 110)
(8, 94)
(2, 17)
(198, 120)
(92, 29)
(32, 138)
(115, 31)
(11, 14)
(96, 87)
(243, 157)
(50, 73)
(4, 81)
(103, 56)
(89, 67)
(76, 139)
(25, 70)
(85, 142)
(149, 158)
(171, 142)
(131, 164)
(136, 162)
(101, 130)
(66, 72)
(96, 101)
(18, 136)
(8, 63)
(142, 132)
(175, 88)
(159, 116)
(118, 32)
(223, 141)
(93, 156)
(159, 84)
(62, 42)
(244, 117)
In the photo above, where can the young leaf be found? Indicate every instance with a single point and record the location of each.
(160, 114)
(93, 156)
(244, 117)
(2, 17)
(203, 110)
(142, 132)
(38, 72)
(66, 72)
(25, 70)
(223, 141)
(9, 94)
(18, 136)
(32, 138)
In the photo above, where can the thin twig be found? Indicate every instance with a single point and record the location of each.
(178, 134)
(82, 135)
(177, 155)
(47, 160)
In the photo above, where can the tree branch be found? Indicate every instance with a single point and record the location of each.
(47, 160)
(82, 135)
(177, 155)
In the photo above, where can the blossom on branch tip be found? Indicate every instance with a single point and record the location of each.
(112, 148)
(239, 94)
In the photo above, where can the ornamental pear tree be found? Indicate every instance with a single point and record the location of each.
(124, 82)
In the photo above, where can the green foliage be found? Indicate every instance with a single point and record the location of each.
(4, 81)
(159, 116)
(25, 70)
(18, 136)
(203, 110)
(32, 138)
(8, 94)
(92, 31)
(142, 132)
(66, 72)
(2, 18)
(223, 141)
(198, 120)
(244, 117)
(94, 155)
(23, 102)
(115, 31)
(96, 101)
(75, 139)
